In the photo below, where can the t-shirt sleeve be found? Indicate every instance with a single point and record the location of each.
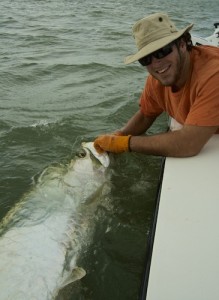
(148, 102)
(205, 109)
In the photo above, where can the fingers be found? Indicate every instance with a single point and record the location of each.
(112, 143)
(97, 145)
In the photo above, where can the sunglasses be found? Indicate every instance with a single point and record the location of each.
(161, 53)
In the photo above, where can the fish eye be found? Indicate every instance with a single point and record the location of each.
(81, 153)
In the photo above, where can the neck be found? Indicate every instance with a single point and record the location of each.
(184, 71)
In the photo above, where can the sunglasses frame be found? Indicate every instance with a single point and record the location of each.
(160, 53)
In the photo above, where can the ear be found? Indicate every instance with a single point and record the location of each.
(182, 45)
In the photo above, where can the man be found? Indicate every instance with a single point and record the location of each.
(183, 81)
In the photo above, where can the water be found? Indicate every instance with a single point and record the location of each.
(63, 81)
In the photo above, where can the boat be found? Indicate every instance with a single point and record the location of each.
(182, 252)
(210, 40)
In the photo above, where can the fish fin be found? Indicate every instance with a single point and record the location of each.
(76, 274)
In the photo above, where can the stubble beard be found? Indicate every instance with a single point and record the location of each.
(173, 80)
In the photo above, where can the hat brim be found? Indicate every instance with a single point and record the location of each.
(154, 46)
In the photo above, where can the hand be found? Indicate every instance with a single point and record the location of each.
(118, 132)
(112, 143)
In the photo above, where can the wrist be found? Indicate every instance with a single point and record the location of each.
(129, 143)
(118, 133)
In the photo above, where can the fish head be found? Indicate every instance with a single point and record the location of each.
(103, 157)
(88, 160)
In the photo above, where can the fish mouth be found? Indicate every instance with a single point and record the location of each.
(102, 158)
(84, 153)
(89, 149)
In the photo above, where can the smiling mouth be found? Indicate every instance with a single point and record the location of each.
(163, 70)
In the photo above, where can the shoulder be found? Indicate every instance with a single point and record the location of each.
(209, 52)
(154, 86)
(205, 64)
(154, 89)
(205, 58)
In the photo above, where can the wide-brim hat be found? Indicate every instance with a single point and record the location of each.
(152, 33)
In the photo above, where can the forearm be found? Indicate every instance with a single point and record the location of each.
(166, 144)
(185, 142)
(137, 125)
(181, 143)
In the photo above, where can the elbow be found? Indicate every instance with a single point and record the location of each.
(190, 150)
(192, 153)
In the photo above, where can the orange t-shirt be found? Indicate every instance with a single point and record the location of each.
(197, 103)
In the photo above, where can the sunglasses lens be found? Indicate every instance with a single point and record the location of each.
(146, 60)
(161, 53)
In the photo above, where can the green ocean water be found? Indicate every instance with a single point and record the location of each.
(63, 81)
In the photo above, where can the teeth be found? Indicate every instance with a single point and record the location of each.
(162, 71)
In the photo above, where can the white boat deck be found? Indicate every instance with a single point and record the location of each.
(185, 258)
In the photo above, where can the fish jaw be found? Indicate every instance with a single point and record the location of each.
(89, 166)
(103, 157)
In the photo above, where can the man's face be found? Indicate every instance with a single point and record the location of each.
(169, 69)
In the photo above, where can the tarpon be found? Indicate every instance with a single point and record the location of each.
(42, 237)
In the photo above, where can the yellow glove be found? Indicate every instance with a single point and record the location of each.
(112, 143)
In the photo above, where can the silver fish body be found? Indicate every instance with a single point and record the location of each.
(42, 237)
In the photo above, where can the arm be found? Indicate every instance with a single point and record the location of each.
(137, 125)
(185, 142)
